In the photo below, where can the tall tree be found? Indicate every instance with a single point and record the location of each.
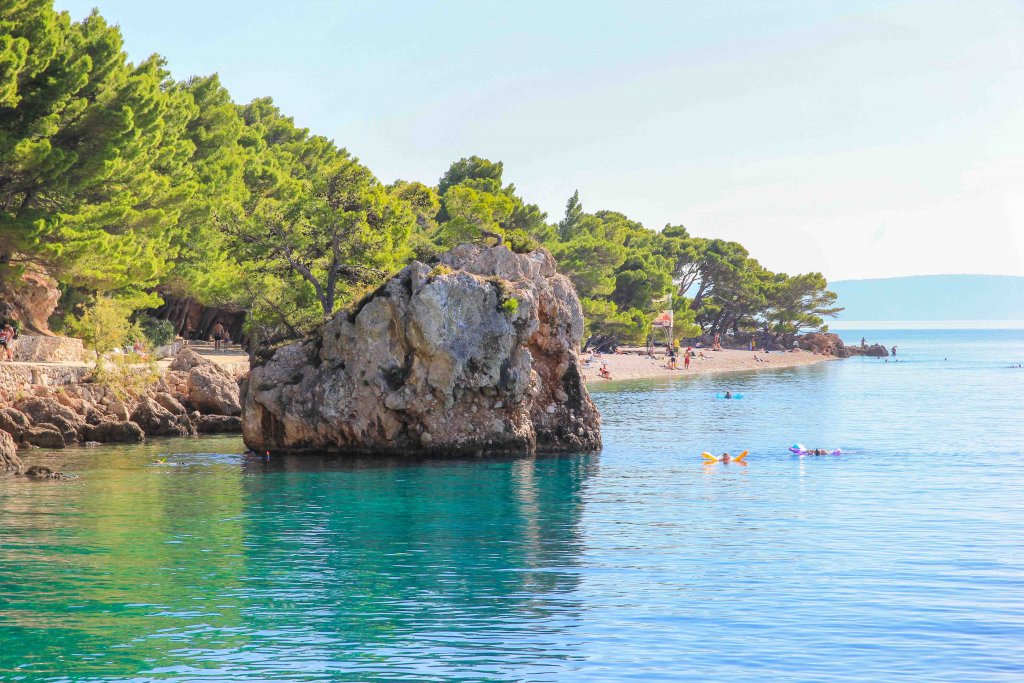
(315, 215)
(93, 169)
(571, 220)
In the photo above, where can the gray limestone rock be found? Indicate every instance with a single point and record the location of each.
(477, 355)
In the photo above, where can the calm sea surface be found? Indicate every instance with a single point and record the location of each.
(901, 560)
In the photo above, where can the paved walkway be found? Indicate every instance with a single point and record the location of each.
(233, 356)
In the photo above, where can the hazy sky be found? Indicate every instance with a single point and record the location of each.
(860, 139)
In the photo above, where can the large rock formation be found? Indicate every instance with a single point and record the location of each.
(475, 355)
(211, 389)
(31, 300)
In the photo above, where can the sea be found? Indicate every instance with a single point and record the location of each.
(902, 559)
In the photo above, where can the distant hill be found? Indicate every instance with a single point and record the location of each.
(932, 297)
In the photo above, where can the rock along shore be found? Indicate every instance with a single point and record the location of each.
(475, 355)
(193, 396)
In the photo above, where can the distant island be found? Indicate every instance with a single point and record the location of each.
(932, 297)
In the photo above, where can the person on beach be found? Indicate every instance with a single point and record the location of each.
(7, 335)
(863, 342)
(603, 372)
(218, 336)
(671, 365)
(686, 359)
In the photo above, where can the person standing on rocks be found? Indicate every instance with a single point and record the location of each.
(218, 336)
(7, 342)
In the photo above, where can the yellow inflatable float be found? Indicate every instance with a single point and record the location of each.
(725, 457)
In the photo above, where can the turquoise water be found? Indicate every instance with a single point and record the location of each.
(903, 559)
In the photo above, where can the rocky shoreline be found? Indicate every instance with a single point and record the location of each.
(193, 396)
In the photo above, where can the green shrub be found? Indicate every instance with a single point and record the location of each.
(125, 374)
(103, 325)
(158, 332)
(440, 269)
(520, 241)
(510, 306)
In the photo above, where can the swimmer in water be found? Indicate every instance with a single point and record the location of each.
(728, 394)
(725, 457)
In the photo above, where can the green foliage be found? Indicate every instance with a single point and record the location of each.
(469, 170)
(126, 375)
(157, 332)
(102, 325)
(122, 182)
(520, 241)
(316, 220)
(510, 306)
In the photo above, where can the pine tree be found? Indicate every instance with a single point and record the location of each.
(573, 213)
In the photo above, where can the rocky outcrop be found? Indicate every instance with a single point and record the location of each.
(48, 412)
(824, 343)
(114, 431)
(9, 460)
(829, 344)
(38, 404)
(874, 350)
(155, 420)
(211, 389)
(476, 355)
(43, 435)
(14, 422)
(30, 300)
(219, 424)
(169, 403)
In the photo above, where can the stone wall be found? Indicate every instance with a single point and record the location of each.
(19, 379)
(29, 348)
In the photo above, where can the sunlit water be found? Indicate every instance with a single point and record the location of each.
(902, 559)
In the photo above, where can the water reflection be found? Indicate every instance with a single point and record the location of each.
(290, 567)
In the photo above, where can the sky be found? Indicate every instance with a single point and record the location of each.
(860, 139)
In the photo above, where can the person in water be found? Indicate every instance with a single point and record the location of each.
(725, 457)
(728, 394)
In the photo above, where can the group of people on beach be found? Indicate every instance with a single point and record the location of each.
(7, 336)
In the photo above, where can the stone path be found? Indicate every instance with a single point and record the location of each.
(17, 375)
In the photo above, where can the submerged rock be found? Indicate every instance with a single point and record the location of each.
(477, 355)
(39, 472)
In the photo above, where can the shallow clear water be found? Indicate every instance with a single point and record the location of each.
(902, 559)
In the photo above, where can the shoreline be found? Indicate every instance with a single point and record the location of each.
(629, 366)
